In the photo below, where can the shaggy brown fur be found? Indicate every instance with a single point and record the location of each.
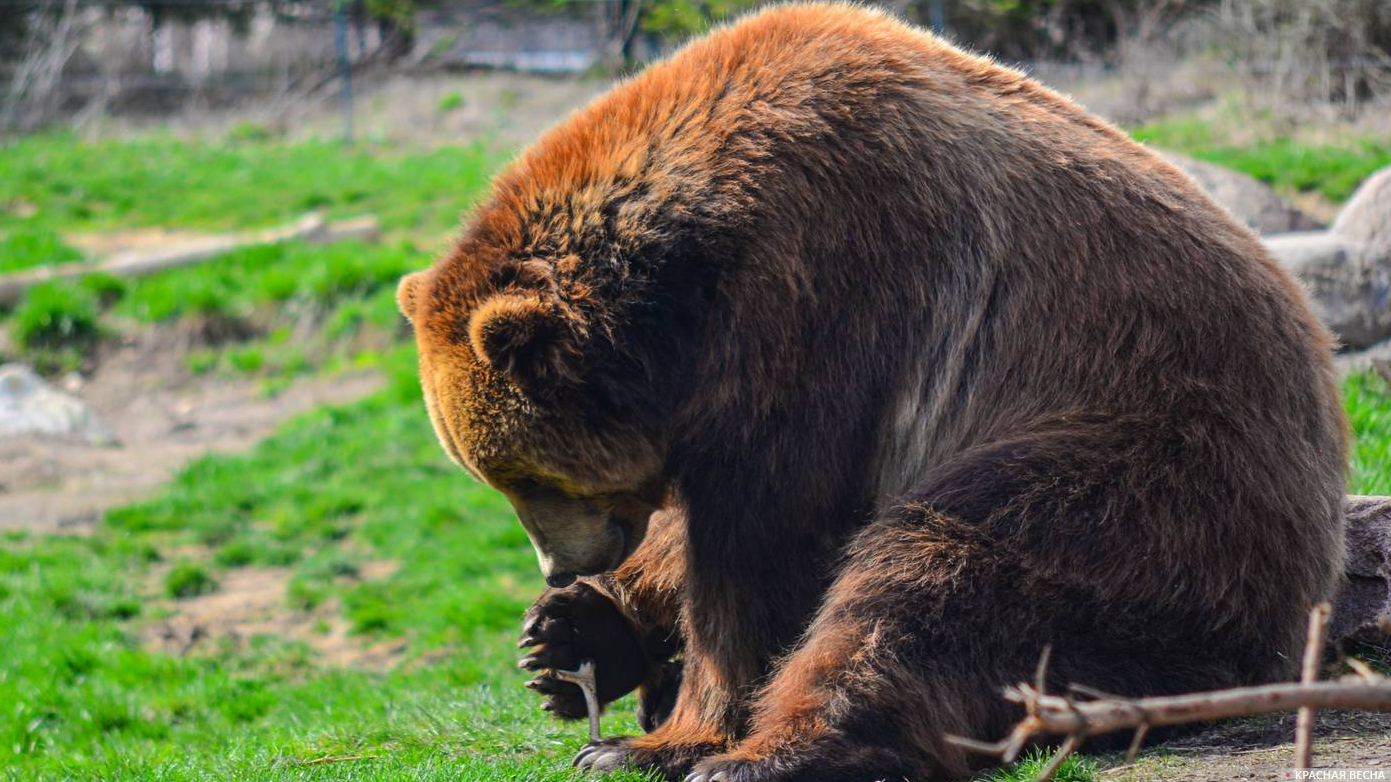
(930, 369)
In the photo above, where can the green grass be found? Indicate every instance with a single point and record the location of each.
(56, 324)
(282, 275)
(450, 101)
(348, 286)
(1368, 401)
(83, 694)
(1075, 769)
(1334, 171)
(189, 580)
(55, 182)
(335, 489)
(24, 246)
(55, 314)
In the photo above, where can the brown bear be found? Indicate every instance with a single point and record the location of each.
(856, 369)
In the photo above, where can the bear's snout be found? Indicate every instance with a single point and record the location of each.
(575, 539)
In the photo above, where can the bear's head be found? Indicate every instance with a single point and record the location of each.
(527, 393)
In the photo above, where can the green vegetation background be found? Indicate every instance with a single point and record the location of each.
(81, 698)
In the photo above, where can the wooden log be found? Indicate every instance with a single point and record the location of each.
(138, 263)
(1362, 610)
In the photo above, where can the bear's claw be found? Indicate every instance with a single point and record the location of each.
(723, 775)
(601, 756)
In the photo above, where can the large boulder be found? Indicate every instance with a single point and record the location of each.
(1347, 268)
(1366, 219)
(1350, 283)
(31, 407)
(1246, 198)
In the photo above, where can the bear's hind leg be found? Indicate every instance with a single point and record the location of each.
(932, 615)
(880, 680)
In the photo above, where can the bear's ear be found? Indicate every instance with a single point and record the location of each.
(523, 337)
(406, 293)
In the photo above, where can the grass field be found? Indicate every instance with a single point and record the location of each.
(325, 503)
(1333, 171)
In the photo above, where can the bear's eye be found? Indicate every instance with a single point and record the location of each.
(532, 275)
(504, 276)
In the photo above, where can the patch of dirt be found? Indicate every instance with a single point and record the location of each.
(1263, 749)
(163, 416)
(251, 602)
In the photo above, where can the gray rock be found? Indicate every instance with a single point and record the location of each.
(1247, 199)
(1347, 268)
(1349, 281)
(29, 406)
(1305, 250)
(1376, 358)
(1366, 219)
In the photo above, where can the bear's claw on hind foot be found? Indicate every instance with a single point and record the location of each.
(601, 756)
(722, 775)
(670, 761)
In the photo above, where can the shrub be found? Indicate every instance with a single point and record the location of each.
(451, 101)
(246, 360)
(55, 315)
(201, 362)
(189, 580)
(107, 288)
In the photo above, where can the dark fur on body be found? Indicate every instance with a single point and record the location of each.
(930, 368)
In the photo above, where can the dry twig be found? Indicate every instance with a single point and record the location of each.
(1313, 654)
(1061, 715)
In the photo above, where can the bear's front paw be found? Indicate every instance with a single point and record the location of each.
(566, 627)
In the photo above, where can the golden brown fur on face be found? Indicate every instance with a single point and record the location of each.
(586, 507)
(929, 369)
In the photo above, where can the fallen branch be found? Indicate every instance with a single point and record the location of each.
(1063, 715)
(1362, 609)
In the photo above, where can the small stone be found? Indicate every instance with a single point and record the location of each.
(31, 407)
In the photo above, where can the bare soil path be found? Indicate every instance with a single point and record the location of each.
(1263, 749)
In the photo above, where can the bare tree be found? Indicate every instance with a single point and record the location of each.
(51, 40)
(1326, 50)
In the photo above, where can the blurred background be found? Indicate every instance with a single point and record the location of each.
(442, 70)
(230, 547)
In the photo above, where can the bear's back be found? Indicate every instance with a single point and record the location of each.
(1017, 256)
